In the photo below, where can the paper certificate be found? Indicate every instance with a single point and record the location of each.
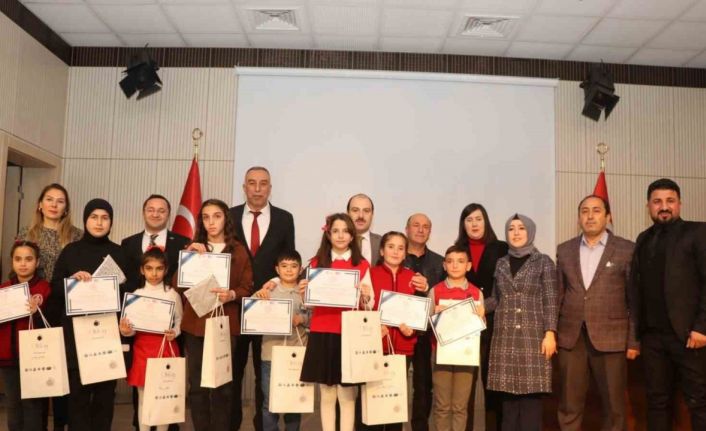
(456, 322)
(100, 295)
(195, 267)
(148, 314)
(266, 316)
(398, 308)
(332, 287)
(13, 302)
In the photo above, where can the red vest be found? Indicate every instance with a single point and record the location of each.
(9, 337)
(328, 319)
(382, 279)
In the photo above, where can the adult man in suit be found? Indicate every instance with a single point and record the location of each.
(431, 265)
(668, 294)
(155, 212)
(596, 329)
(361, 209)
(266, 231)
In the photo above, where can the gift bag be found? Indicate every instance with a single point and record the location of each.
(385, 401)
(43, 371)
(465, 351)
(98, 348)
(361, 347)
(287, 393)
(216, 365)
(164, 397)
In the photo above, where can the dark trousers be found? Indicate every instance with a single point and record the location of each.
(493, 400)
(522, 412)
(60, 409)
(210, 408)
(22, 415)
(240, 361)
(90, 406)
(421, 382)
(609, 370)
(667, 361)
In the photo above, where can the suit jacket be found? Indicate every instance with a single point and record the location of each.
(132, 249)
(602, 306)
(374, 248)
(684, 279)
(279, 237)
(432, 269)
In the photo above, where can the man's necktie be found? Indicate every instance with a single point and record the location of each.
(255, 233)
(152, 238)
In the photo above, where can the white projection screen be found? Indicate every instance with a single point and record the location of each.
(414, 142)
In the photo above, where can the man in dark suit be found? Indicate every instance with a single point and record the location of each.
(668, 294)
(431, 265)
(361, 209)
(596, 329)
(266, 231)
(155, 212)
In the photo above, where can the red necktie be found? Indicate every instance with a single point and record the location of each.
(254, 233)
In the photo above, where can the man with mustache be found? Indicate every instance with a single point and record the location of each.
(668, 296)
(360, 207)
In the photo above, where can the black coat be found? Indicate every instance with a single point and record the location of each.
(684, 279)
(132, 250)
(82, 255)
(432, 268)
(484, 277)
(279, 237)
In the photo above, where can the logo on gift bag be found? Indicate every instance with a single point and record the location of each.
(113, 365)
(50, 381)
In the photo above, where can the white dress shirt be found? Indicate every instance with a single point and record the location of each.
(366, 247)
(263, 222)
(590, 257)
(161, 239)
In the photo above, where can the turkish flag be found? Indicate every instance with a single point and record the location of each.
(601, 189)
(185, 221)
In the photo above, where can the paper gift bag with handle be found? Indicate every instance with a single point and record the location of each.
(98, 348)
(385, 401)
(361, 347)
(164, 397)
(288, 394)
(43, 371)
(217, 360)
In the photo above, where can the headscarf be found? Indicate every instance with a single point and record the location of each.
(92, 205)
(531, 229)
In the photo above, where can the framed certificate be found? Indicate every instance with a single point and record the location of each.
(13, 302)
(266, 316)
(100, 295)
(398, 308)
(195, 267)
(456, 322)
(332, 287)
(147, 314)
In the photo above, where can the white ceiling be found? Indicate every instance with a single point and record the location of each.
(653, 32)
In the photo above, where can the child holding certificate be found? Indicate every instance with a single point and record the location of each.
(389, 274)
(322, 361)
(153, 267)
(289, 265)
(452, 383)
(21, 414)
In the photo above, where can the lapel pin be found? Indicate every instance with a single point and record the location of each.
(609, 264)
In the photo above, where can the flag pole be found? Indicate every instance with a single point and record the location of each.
(602, 149)
(196, 136)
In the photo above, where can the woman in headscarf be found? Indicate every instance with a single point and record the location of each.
(90, 406)
(525, 303)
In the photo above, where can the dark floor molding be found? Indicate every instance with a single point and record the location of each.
(408, 62)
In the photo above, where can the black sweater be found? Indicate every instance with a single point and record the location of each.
(85, 254)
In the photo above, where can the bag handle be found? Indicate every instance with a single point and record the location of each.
(389, 343)
(161, 347)
(301, 343)
(44, 319)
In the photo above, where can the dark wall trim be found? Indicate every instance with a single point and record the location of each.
(443, 63)
(29, 22)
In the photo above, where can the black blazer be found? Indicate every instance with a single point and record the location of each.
(432, 269)
(132, 250)
(684, 279)
(279, 237)
(484, 277)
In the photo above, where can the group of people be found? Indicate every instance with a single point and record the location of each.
(606, 300)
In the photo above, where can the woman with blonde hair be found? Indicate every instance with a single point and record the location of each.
(51, 227)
